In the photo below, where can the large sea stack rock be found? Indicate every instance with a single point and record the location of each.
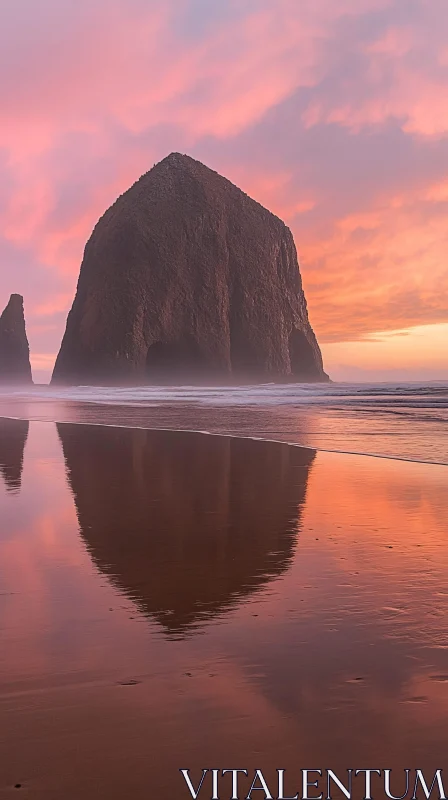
(184, 278)
(15, 364)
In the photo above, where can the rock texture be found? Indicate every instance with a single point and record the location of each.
(185, 277)
(15, 364)
(186, 525)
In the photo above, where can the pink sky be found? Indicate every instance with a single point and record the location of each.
(332, 114)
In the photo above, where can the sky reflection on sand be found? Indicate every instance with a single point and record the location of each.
(327, 648)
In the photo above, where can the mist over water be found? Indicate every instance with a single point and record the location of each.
(406, 420)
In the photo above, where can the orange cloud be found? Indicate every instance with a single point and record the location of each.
(387, 266)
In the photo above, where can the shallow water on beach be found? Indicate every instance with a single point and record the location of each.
(172, 600)
(407, 421)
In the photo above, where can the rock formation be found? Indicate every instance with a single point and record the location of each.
(187, 525)
(13, 436)
(185, 277)
(15, 364)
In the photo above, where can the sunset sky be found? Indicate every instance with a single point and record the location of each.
(332, 113)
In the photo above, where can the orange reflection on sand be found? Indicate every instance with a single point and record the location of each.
(177, 599)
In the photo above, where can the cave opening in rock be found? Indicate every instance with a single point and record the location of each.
(302, 356)
(170, 361)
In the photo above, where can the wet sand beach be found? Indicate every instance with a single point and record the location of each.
(406, 421)
(177, 600)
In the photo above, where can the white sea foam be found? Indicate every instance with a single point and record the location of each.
(414, 395)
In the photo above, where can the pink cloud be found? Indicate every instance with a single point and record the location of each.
(403, 71)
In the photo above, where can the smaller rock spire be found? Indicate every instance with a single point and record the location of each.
(15, 364)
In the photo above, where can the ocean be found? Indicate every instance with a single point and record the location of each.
(395, 420)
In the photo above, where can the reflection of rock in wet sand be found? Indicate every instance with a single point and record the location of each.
(13, 436)
(185, 523)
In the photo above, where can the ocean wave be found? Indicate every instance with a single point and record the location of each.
(392, 420)
(433, 395)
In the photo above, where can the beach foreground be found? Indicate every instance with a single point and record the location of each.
(178, 600)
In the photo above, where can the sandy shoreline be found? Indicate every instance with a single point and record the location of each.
(170, 600)
(345, 431)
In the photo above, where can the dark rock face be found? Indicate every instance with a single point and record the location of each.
(15, 364)
(13, 436)
(187, 525)
(185, 277)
